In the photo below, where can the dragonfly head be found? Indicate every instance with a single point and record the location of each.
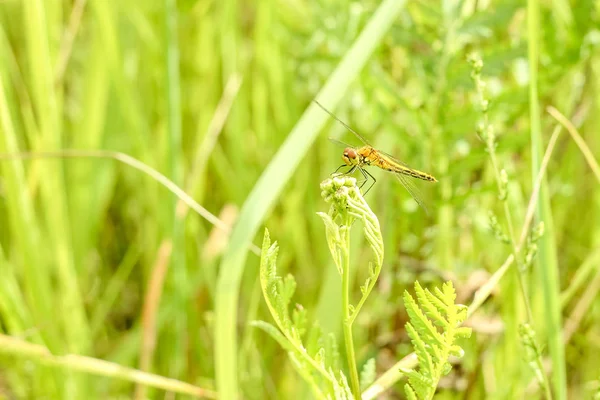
(350, 156)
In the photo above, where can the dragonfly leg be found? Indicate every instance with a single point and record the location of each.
(362, 183)
(365, 173)
(347, 172)
(362, 171)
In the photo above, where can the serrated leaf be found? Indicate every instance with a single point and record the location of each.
(463, 332)
(446, 369)
(457, 351)
(287, 289)
(462, 312)
(410, 394)
(300, 320)
(421, 323)
(332, 233)
(333, 353)
(341, 388)
(449, 293)
(432, 348)
(426, 302)
(419, 345)
(313, 338)
(320, 357)
(367, 374)
(439, 305)
(421, 384)
(268, 258)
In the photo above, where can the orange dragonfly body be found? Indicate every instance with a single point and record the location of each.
(367, 155)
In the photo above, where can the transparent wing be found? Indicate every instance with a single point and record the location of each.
(345, 125)
(394, 159)
(412, 189)
(340, 143)
(419, 174)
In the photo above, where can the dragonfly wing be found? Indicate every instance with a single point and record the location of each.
(394, 159)
(339, 142)
(412, 189)
(358, 135)
(410, 171)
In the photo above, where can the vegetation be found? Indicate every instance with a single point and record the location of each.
(146, 145)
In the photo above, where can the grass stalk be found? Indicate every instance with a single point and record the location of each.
(74, 362)
(547, 258)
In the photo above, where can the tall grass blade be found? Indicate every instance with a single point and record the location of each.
(548, 263)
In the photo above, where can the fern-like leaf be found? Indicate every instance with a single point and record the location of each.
(433, 307)
(341, 389)
(421, 349)
(321, 356)
(433, 347)
(420, 322)
(278, 293)
(367, 374)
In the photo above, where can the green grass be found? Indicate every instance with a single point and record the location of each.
(97, 264)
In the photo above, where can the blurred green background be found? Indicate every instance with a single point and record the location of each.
(99, 259)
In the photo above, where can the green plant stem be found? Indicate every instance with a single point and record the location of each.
(511, 235)
(516, 249)
(490, 144)
(354, 381)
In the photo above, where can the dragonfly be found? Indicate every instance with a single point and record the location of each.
(367, 155)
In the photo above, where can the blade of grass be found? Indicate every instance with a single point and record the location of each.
(134, 163)
(48, 107)
(547, 258)
(583, 147)
(592, 289)
(270, 185)
(74, 362)
(67, 42)
(178, 274)
(23, 226)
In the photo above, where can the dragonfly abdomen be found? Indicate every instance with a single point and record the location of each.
(370, 156)
(412, 172)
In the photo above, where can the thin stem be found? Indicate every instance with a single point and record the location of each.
(511, 234)
(490, 142)
(136, 164)
(41, 354)
(583, 147)
(354, 382)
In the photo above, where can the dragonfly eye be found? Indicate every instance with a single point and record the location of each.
(349, 155)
